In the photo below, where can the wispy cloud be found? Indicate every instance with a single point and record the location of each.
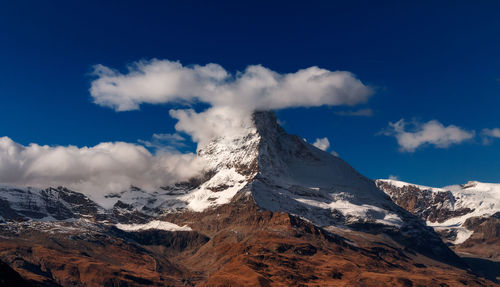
(411, 136)
(393, 177)
(489, 134)
(164, 142)
(357, 113)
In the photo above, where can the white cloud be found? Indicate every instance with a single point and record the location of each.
(231, 97)
(431, 132)
(393, 177)
(106, 167)
(163, 81)
(489, 134)
(322, 143)
(494, 133)
(357, 113)
(213, 122)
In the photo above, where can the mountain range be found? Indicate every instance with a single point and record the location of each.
(268, 210)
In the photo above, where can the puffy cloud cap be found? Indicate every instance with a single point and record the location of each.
(231, 97)
(256, 88)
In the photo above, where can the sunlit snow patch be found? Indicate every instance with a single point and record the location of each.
(220, 189)
(155, 224)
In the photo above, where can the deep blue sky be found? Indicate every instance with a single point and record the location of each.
(433, 60)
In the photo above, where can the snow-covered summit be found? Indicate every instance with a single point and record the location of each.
(282, 172)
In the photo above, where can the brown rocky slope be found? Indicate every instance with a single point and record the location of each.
(232, 245)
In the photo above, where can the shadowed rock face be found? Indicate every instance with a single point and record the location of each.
(485, 241)
(489, 226)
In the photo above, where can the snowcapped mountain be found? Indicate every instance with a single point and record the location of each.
(298, 178)
(280, 172)
(461, 213)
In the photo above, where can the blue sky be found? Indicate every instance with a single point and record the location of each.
(425, 61)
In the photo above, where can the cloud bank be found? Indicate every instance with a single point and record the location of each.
(165, 142)
(231, 97)
(106, 167)
(412, 136)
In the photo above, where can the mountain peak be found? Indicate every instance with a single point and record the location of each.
(266, 123)
(282, 172)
